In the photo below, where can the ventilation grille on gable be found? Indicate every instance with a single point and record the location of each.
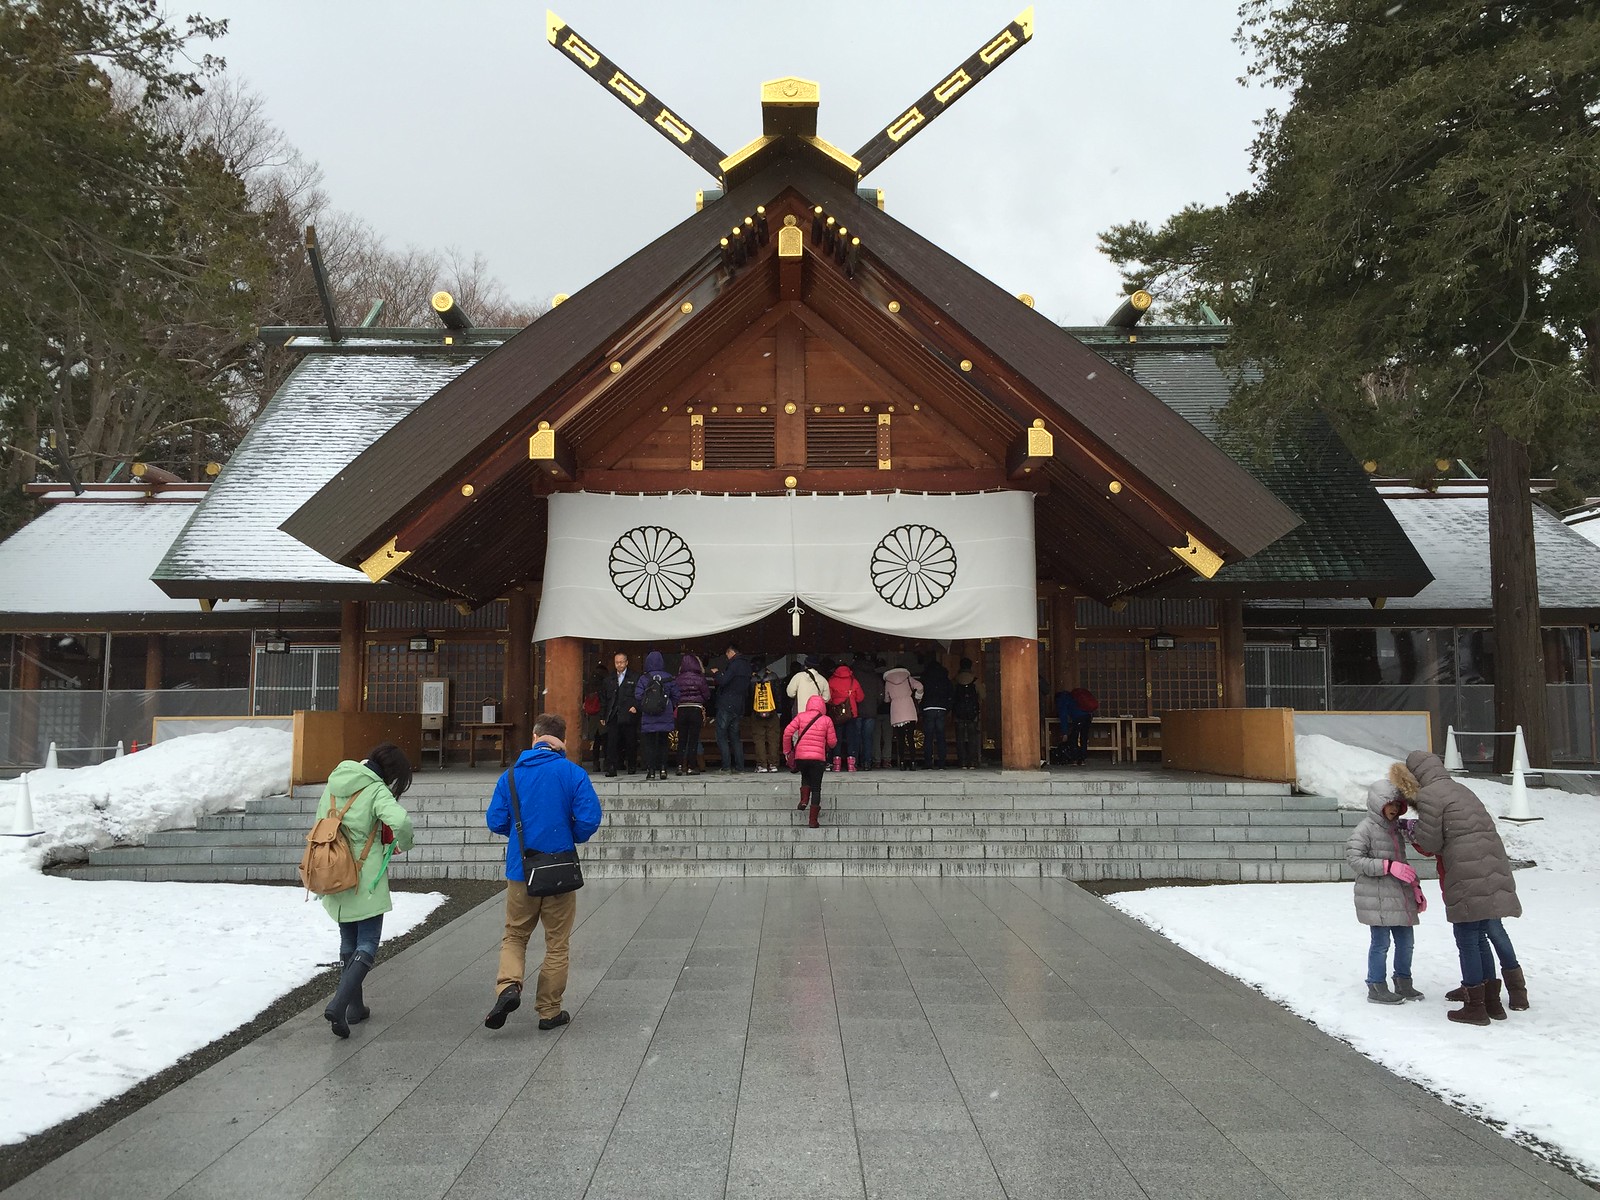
(733, 442)
(842, 440)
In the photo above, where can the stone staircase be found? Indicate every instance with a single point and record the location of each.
(1136, 823)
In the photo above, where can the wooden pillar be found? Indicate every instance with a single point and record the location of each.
(1230, 615)
(563, 688)
(1019, 704)
(352, 660)
(519, 666)
(154, 664)
(32, 648)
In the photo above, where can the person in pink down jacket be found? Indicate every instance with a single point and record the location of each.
(807, 741)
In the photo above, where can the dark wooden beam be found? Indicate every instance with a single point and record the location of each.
(789, 390)
(849, 479)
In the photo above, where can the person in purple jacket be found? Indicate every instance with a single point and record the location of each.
(655, 696)
(694, 693)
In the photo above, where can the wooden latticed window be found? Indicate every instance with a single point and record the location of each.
(740, 441)
(1113, 669)
(1187, 676)
(842, 440)
(476, 670)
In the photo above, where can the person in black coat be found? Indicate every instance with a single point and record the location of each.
(619, 716)
(732, 681)
(936, 695)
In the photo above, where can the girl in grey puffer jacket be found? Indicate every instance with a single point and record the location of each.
(1387, 896)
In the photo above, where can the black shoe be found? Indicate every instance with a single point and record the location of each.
(337, 1012)
(555, 1022)
(506, 1003)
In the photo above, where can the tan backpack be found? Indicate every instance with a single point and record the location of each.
(327, 867)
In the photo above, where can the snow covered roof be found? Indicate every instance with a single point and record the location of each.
(1585, 522)
(94, 555)
(1451, 532)
(332, 407)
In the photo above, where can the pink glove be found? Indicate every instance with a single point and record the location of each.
(1400, 871)
(1422, 901)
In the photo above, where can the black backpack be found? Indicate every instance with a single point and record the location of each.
(966, 707)
(654, 701)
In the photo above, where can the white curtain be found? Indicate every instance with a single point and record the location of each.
(643, 567)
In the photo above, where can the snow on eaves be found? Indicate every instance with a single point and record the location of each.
(94, 556)
(1452, 535)
(330, 409)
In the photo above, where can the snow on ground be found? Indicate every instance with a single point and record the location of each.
(168, 786)
(108, 983)
(1324, 767)
(1538, 1072)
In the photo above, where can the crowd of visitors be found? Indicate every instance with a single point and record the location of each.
(877, 706)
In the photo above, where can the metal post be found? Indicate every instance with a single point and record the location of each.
(1452, 752)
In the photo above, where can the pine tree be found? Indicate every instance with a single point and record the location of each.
(1418, 256)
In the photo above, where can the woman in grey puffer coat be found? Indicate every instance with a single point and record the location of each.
(1474, 875)
(1387, 896)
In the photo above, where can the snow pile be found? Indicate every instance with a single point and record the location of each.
(169, 786)
(1538, 1072)
(1324, 767)
(108, 983)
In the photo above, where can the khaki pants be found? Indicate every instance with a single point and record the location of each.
(523, 912)
(768, 731)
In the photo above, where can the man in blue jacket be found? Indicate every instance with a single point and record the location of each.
(559, 810)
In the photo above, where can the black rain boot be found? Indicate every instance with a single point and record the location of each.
(358, 1010)
(349, 988)
(1516, 990)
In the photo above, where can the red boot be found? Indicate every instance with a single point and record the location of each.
(805, 798)
(815, 805)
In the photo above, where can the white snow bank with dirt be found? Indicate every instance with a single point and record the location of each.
(1324, 767)
(171, 785)
(1538, 1072)
(107, 983)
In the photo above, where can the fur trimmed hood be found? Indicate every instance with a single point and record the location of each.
(1400, 775)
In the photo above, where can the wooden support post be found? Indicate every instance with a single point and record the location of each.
(352, 664)
(789, 362)
(32, 648)
(1230, 614)
(563, 688)
(519, 669)
(1019, 704)
(154, 664)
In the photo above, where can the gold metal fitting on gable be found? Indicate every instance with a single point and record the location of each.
(542, 444)
(791, 92)
(468, 490)
(1025, 298)
(378, 565)
(791, 242)
(894, 306)
(1200, 558)
(559, 299)
(686, 307)
(790, 481)
(1114, 487)
(1041, 442)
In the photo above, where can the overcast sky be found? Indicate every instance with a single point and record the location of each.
(453, 122)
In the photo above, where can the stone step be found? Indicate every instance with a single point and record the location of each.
(1075, 869)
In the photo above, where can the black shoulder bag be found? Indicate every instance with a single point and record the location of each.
(547, 874)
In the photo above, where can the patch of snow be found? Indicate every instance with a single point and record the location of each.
(108, 983)
(1538, 1072)
(1324, 767)
(171, 785)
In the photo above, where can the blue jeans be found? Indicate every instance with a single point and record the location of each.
(1472, 944)
(730, 744)
(1405, 938)
(863, 739)
(1501, 941)
(934, 747)
(360, 935)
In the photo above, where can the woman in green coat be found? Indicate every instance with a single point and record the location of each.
(373, 820)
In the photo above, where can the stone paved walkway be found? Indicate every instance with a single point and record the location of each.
(793, 1038)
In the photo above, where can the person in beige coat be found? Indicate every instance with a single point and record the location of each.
(1474, 875)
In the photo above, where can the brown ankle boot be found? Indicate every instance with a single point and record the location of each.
(1472, 1012)
(1456, 995)
(1516, 990)
(1491, 1000)
(805, 798)
(815, 806)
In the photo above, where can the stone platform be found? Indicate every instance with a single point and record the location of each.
(765, 1039)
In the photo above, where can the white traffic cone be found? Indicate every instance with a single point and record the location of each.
(119, 748)
(1452, 752)
(1520, 810)
(1519, 753)
(23, 824)
(50, 762)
